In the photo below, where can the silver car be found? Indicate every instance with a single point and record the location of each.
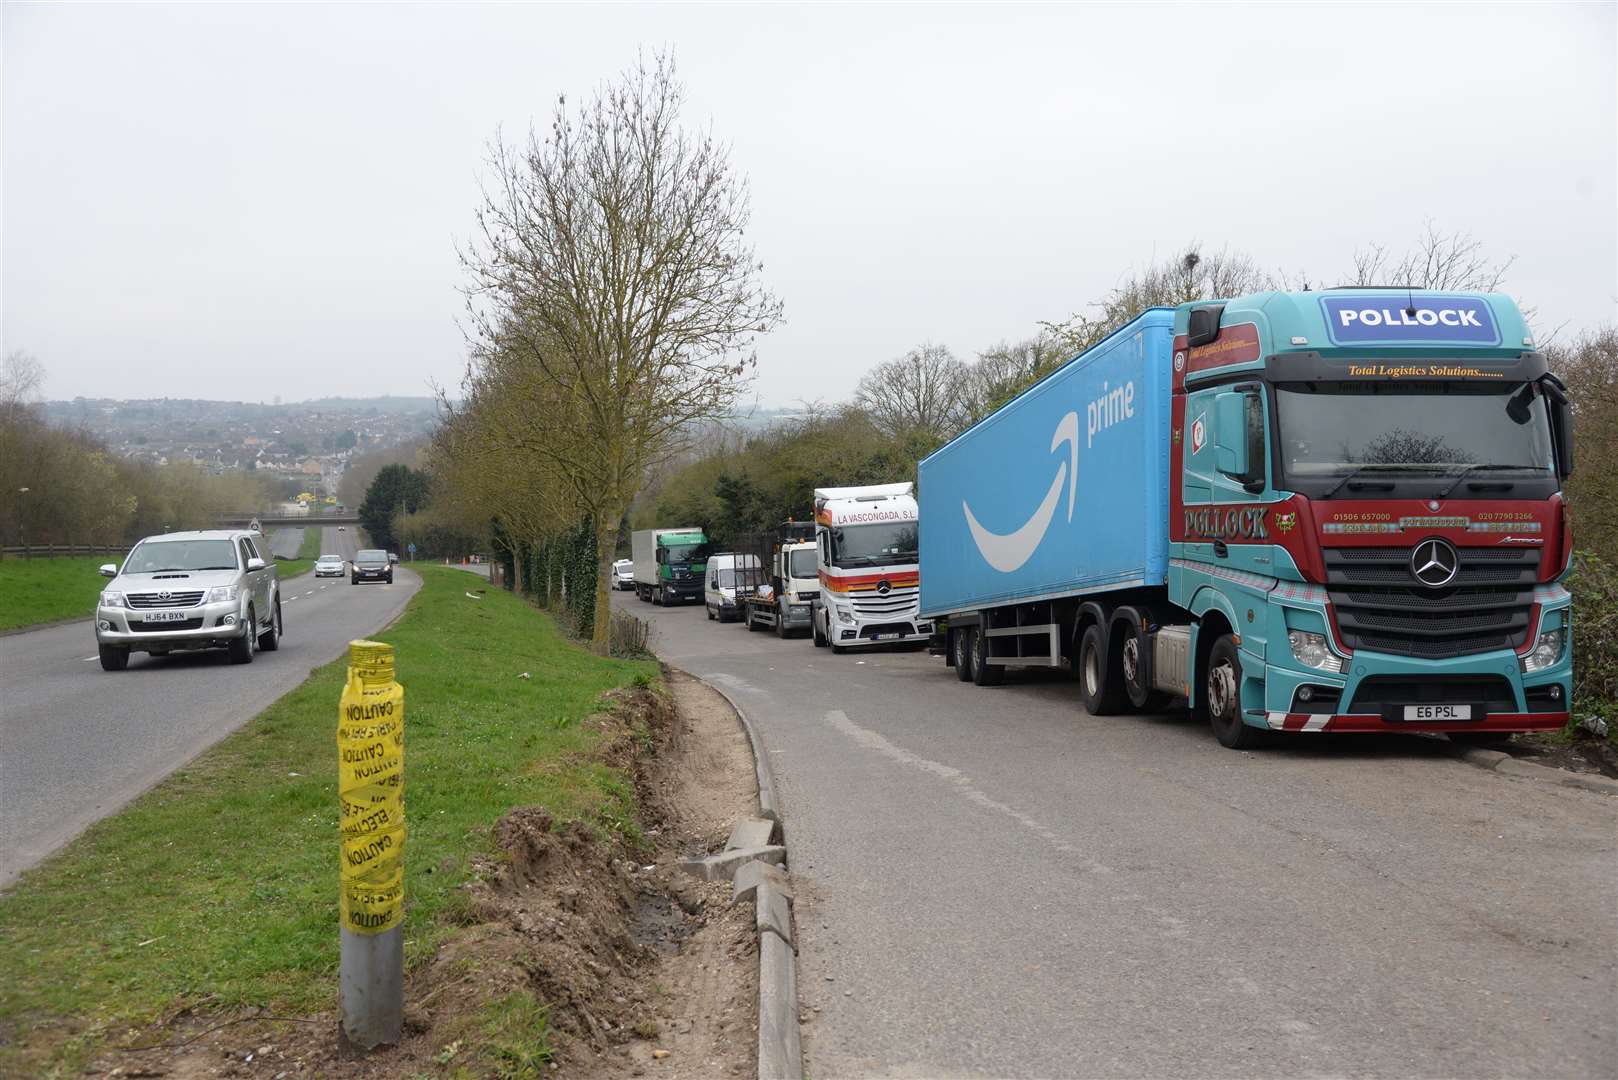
(331, 566)
(191, 590)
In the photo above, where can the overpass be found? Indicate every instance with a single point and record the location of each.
(241, 518)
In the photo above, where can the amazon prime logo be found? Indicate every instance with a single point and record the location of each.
(1434, 563)
(1008, 551)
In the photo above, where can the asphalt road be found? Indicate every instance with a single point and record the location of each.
(77, 743)
(995, 883)
(285, 543)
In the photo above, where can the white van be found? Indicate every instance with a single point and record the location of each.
(726, 574)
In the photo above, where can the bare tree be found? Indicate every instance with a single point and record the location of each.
(1439, 260)
(921, 393)
(612, 281)
(1003, 371)
(21, 376)
(1589, 366)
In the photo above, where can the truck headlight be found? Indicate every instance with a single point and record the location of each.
(845, 615)
(1545, 653)
(112, 599)
(222, 592)
(1310, 650)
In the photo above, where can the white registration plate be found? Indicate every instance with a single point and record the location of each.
(164, 616)
(883, 637)
(1438, 712)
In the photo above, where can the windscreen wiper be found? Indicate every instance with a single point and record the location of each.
(1335, 488)
(1469, 470)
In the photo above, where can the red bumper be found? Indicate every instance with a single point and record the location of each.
(1367, 722)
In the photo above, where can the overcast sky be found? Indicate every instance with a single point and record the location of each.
(248, 201)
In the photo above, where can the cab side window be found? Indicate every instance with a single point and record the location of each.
(246, 550)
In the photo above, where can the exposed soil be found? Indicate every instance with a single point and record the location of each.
(643, 970)
(1582, 753)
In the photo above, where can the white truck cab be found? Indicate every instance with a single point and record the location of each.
(866, 555)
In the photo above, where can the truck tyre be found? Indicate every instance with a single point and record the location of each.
(710, 612)
(961, 652)
(270, 640)
(780, 624)
(1135, 659)
(814, 631)
(1222, 697)
(983, 672)
(113, 657)
(752, 626)
(242, 648)
(1100, 685)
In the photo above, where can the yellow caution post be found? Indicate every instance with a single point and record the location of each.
(370, 793)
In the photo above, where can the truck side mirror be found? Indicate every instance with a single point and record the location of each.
(1204, 325)
(1561, 414)
(1230, 434)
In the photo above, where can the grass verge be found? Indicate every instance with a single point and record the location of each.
(34, 591)
(218, 889)
(308, 552)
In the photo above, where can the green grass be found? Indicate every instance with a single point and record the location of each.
(219, 887)
(308, 552)
(45, 590)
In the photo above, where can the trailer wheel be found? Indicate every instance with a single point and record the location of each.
(962, 650)
(1100, 684)
(983, 672)
(1222, 697)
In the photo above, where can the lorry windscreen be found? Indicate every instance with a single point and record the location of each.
(1349, 437)
(686, 553)
(802, 564)
(874, 545)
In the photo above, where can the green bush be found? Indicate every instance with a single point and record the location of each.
(1594, 584)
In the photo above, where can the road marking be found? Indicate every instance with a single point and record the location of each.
(87, 659)
(873, 740)
(289, 599)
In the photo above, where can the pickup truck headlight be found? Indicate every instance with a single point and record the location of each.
(1545, 653)
(223, 592)
(112, 599)
(1312, 651)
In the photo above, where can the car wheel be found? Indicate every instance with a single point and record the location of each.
(113, 657)
(270, 640)
(353, 581)
(242, 648)
(1222, 697)
(1100, 687)
(983, 672)
(961, 649)
(390, 579)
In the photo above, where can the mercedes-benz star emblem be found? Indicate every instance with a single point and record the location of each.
(883, 587)
(1434, 563)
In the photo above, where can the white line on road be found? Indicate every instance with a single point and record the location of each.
(87, 659)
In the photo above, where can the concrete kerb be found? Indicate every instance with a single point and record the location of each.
(1503, 763)
(780, 1046)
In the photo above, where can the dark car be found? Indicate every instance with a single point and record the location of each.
(371, 566)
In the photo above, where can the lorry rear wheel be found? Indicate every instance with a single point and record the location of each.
(1137, 673)
(961, 648)
(751, 625)
(983, 672)
(1100, 687)
(1222, 697)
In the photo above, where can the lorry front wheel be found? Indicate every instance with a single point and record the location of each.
(814, 632)
(1100, 686)
(1222, 697)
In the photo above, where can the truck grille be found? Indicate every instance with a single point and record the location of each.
(1380, 606)
(895, 602)
(148, 601)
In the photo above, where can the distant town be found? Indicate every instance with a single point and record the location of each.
(306, 444)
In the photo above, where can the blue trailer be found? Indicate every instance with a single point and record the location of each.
(1298, 512)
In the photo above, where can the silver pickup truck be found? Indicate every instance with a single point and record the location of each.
(190, 590)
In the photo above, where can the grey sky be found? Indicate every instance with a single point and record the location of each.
(241, 202)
